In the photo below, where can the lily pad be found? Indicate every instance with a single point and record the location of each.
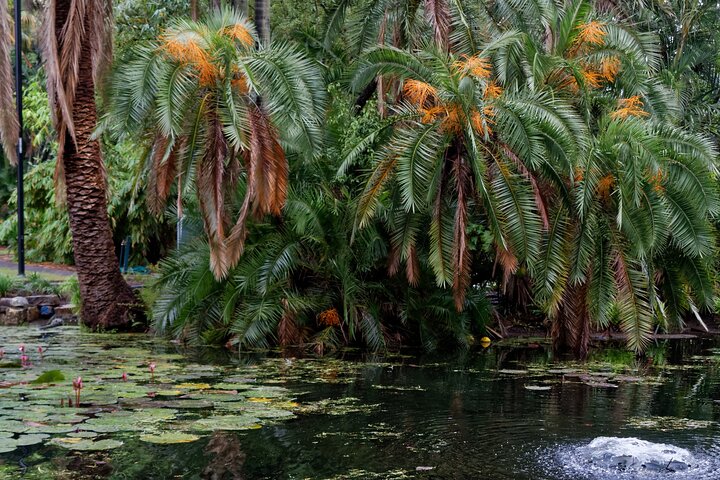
(226, 422)
(169, 438)
(51, 376)
(31, 439)
(75, 443)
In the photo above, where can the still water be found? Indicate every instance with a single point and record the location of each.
(510, 411)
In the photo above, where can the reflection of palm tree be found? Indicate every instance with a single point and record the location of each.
(227, 458)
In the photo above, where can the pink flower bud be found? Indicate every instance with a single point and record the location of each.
(124, 377)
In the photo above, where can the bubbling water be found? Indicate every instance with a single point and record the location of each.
(633, 454)
(606, 458)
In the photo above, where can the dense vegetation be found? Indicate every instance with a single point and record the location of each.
(372, 172)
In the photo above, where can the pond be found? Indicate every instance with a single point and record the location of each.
(149, 409)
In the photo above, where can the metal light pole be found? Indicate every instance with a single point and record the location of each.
(20, 149)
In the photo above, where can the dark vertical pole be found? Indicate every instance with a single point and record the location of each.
(20, 146)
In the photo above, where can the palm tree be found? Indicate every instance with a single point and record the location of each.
(262, 20)
(638, 245)
(219, 113)
(9, 128)
(77, 34)
(602, 258)
(458, 146)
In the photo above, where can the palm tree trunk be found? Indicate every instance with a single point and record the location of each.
(107, 300)
(262, 20)
(241, 6)
(194, 9)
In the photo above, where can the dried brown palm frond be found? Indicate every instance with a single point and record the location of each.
(438, 14)
(289, 333)
(267, 170)
(508, 263)
(571, 327)
(162, 174)
(211, 195)
(9, 127)
(461, 250)
(86, 24)
(412, 266)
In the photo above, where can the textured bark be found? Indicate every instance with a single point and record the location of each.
(215, 5)
(194, 9)
(262, 20)
(241, 6)
(108, 301)
(571, 328)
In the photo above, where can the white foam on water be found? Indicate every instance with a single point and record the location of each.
(629, 458)
(641, 451)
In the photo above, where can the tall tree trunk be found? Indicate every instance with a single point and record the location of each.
(262, 20)
(241, 6)
(193, 9)
(215, 5)
(107, 300)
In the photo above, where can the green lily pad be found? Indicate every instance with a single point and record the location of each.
(169, 438)
(31, 439)
(226, 422)
(75, 443)
(8, 445)
(51, 376)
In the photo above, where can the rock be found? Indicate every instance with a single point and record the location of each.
(38, 300)
(33, 313)
(55, 322)
(16, 302)
(65, 311)
(14, 316)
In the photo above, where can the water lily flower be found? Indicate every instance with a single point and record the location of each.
(21, 348)
(77, 386)
(2, 352)
(152, 370)
(40, 350)
(124, 377)
(24, 360)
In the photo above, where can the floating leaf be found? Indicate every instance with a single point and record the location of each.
(537, 388)
(51, 376)
(75, 443)
(169, 438)
(226, 422)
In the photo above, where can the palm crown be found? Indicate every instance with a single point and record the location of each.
(217, 110)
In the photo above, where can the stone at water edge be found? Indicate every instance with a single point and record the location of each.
(13, 317)
(16, 302)
(42, 300)
(33, 314)
(65, 311)
(55, 322)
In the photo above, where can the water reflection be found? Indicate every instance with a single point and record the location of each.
(507, 412)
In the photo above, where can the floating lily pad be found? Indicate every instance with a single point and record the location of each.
(75, 443)
(226, 422)
(8, 445)
(51, 376)
(169, 438)
(31, 439)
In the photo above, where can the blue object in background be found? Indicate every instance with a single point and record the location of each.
(46, 311)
